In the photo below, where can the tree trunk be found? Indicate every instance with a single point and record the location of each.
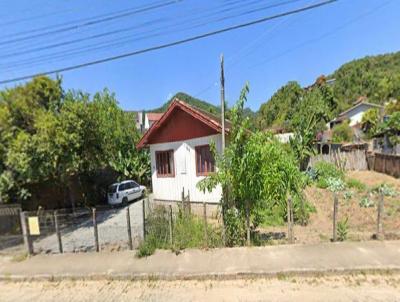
(248, 222)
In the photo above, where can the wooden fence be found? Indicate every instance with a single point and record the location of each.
(352, 160)
(385, 163)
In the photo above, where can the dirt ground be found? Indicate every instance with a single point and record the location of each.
(283, 288)
(361, 221)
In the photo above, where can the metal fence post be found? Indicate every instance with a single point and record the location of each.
(128, 225)
(25, 233)
(144, 219)
(335, 212)
(205, 223)
(96, 234)
(379, 229)
(171, 238)
(60, 247)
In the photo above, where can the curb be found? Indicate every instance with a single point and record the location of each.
(201, 276)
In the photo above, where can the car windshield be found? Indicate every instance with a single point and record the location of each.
(112, 188)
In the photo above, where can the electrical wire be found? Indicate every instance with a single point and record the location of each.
(175, 43)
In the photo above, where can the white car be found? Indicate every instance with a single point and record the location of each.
(124, 192)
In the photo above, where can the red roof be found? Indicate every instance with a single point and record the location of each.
(154, 116)
(202, 123)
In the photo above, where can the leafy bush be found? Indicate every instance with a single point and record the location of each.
(342, 229)
(235, 228)
(326, 170)
(348, 195)
(342, 133)
(335, 184)
(356, 184)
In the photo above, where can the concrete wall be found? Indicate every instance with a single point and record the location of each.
(170, 188)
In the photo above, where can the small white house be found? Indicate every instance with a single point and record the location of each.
(180, 153)
(354, 114)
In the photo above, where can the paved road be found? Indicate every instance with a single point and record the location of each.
(112, 231)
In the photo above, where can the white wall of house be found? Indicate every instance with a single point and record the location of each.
(284, 137)
(170, 188)
(355, 115)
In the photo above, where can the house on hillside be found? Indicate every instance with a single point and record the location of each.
(354, 114)
(179, 144)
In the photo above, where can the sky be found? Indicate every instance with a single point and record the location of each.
(41, 35)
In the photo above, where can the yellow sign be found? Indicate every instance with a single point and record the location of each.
(34, 225)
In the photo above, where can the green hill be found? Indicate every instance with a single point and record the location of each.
(375, 77)
(191, 101)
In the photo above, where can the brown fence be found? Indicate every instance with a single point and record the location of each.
(385, 163)
(353, 160)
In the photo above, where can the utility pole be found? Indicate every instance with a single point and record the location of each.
(224, 201)
(223, 102)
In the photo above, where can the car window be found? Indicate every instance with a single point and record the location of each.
(122, 187)
(112, 188)
(135, 184)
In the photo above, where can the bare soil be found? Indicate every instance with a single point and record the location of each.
(361, 220)
(332, 288)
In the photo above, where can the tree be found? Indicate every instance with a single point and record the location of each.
(51, 136)
(310, 117)
(370, 121)
(256, 170)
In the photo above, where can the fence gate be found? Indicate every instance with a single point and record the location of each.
(10, 226)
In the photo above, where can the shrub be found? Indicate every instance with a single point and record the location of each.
(356, 184)
(347, 195)
(235, 227)
(342, 229)
(365, 202)
(188, 232)
(324, 171)
(342, 133)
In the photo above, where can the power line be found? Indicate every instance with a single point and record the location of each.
(123, 40)
(117, 31)
(93, 22)
(167, 45)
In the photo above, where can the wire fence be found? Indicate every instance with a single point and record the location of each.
(186, 224)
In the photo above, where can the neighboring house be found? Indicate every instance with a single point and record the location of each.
(354, 114)
(382, 144)
(151, 118)
(180, 153)
(145, 120)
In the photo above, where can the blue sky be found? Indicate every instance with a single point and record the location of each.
(299, 47)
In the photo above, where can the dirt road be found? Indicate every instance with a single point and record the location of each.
(332, 288)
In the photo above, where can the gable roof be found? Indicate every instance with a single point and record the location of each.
(358, 105)
(207, 118)
(153, 116)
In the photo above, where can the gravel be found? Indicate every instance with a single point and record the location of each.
(78, 233)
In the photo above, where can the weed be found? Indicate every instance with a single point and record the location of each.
(19, 257)
(365, 202)
(356, 184)
(343, 229)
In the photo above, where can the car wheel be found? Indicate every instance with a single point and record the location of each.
(124, 201)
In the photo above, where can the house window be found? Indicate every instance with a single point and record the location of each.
(205, 162)
(165, 163)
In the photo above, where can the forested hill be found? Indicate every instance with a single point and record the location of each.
(376, 77)
(199, 104)
(191, 101)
